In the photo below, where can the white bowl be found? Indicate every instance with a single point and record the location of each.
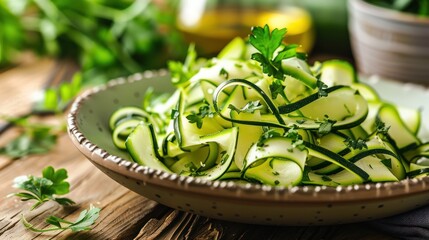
(88, 128)
(389, 43)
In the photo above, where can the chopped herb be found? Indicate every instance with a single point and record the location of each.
(34, 139)
(275, 173)
(326, 125)
(224, 73)
(358, 144)
(56, 99)
(277, 88)
(297, 141)
(83, 223)
(380, 127)
(267, 134)
(43, 189)
(301, 121)
(197, 118)
(276, 182)
(250, 107)
(182, 72)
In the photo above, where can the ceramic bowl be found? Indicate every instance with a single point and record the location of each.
(389, 43)
(247, 203)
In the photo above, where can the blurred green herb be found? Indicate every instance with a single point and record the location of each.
(34, 139)
(82, 223)
(56, 99)
(419, 7)
(182, 72)
(43, 189)
(109, 38)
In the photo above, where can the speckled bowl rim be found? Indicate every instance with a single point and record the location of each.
(227, 189)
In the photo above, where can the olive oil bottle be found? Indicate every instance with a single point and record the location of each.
(212, 28)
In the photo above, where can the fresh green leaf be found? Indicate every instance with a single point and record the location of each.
(197, 118)
(325, 126)
(277, 88)
(271, 50)
(43, 189)
(267, 134)
(182, 72)
(267, 42)
(250, 107)
(84, 222)
(356, 143)
(380, 127)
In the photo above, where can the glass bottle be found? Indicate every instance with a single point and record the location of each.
(211, 24)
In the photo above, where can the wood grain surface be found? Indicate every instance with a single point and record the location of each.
(124, 214)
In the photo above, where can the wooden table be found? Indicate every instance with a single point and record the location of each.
(124, 214)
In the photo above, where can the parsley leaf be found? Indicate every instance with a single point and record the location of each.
(356, 144)
(250, 107)
(56, 99)
(43, 189)
(380, 127)
(277, 88)
(267, 43)
(297, 141)
(326, 125)
(182, 72)
(83, 223)
(197, 118)
(272, 51)
(267, 134)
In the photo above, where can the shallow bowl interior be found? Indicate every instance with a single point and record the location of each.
(248, 203)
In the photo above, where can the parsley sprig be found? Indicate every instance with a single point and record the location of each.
(267, 134)
(82, 223)
(357, 144)
(182, 72)
(268, 43)
(197, 117)
(326, 125)
(250, 107)
(42, 189)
